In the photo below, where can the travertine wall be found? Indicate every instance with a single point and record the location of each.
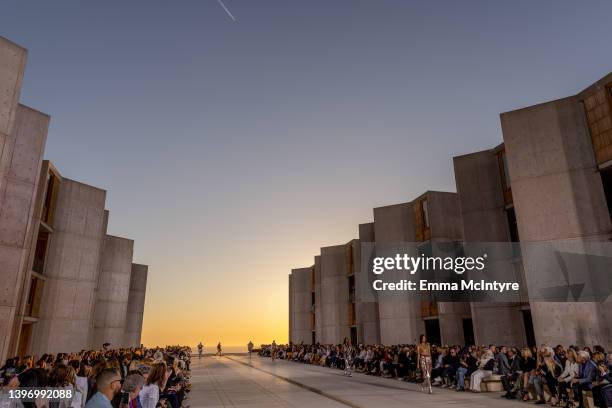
(113, 291)
(72, 270)
(301, 298)
(558, 195)
(135, 306)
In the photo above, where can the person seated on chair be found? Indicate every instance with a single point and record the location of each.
(512, 374)
(587, 375)
(485, 369)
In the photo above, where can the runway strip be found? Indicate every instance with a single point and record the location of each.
(363, 390)
(222, 382)
(299, 384)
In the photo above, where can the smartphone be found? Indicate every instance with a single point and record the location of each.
(125, 398)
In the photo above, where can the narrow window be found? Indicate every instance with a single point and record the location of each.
(425, 213)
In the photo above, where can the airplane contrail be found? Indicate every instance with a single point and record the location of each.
(227, 11)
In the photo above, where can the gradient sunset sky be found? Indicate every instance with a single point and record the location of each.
(232, 151)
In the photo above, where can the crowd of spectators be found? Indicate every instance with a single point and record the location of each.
(117, 378)
(564, 374)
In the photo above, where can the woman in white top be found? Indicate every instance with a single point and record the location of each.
(569, 373)
(485, 369)
(80, 383)
(156, 382)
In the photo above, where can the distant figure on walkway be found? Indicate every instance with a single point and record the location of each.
(200, 350)
(424, 362)
(274, 350)
(250, 348)
(219, 351)
(347, 349)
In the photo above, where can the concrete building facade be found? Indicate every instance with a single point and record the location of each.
(559, 156)
(301, 309)
(487, 211)
(336, 266)
(12, 66)
(71, 270)
(366, 309)
(399, 318)
(135, 306)
(111, 301)
(438, 220)
(431, 218)
(51, 234)
(318, 318)
(17, 206)
(550, 181)
(325, 300)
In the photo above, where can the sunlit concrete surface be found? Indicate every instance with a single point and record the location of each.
(230, 381)
(221, 382)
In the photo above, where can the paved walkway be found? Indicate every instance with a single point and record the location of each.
(232, 381)
(221, 382)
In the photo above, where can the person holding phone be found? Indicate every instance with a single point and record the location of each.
(128, 397)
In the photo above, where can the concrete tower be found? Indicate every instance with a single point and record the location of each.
(71, 272)
(111, 302)
(559, 156)
(135, 306)
(336, 266)
(400, 318)
(367, 320)
(12, 66)
(300, 306)
(487, 210)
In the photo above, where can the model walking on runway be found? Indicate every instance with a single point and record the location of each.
(348, 357)
(424, 362)
(273, 351)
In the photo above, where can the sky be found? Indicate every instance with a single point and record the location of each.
(233, 150)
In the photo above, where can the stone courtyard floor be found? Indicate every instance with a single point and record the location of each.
(233, 381)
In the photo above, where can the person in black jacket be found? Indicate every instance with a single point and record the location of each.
(528, 367)
(602, 390)
(547, 371)
(467, 365)
(450, 364)
(514, 368)
(402, 363)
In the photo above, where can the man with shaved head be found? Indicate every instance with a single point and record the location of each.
(108, 383)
